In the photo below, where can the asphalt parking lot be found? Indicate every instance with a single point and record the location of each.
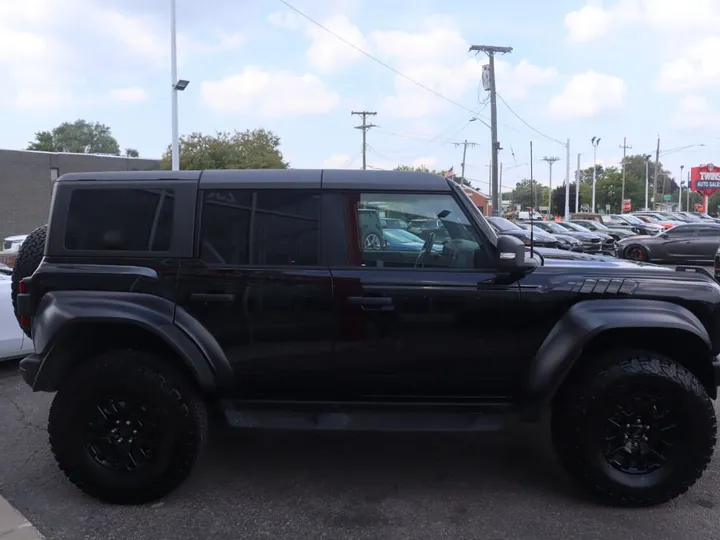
(340, 486)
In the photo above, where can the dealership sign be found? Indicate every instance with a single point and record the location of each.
(705, 179)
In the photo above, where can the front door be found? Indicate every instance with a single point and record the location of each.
(258, 287)
(680, 245)
(430, 319)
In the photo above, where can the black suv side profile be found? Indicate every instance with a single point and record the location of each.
(156, 298)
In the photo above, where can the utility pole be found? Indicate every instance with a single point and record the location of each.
(364, 127)
(464, 145)
(550, 161)
(577, 186)
(656, 175)
(595, 141)
(501, 195)
(567, 180)
(625, 148)
(647, 179)
(680, 183)
(491, 51)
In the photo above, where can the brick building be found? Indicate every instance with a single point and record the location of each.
(480, 199)
(27, 177)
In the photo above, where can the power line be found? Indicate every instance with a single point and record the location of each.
(527, 124)
(377, 60)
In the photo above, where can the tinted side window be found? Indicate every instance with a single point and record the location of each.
(120, 220)
(244, 227)
(682, 232)
(438, 233)
(709, 232)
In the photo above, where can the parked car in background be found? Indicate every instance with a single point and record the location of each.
(595, 226)
(393, 223)
(689, 242)
(703, 216)
(655, 217)
(14, 343)
(608, 242)
(539, 238)
(370, 228)
(402, 240)
(565, 241)
(525, 215)
(592, 242)
(12, 243)
(632, 223)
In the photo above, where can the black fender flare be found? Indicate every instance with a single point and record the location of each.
(60, 312)
(586, 320)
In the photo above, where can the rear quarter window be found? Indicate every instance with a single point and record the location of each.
(120, 220)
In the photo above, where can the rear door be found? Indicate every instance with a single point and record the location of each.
(259, 287)
(434, 324)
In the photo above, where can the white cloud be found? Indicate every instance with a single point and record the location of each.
(326, 52)
(698, 68)
(269, 94)
(132, 94)
(437, 58)
(694, 112)
(48, 48)
(667, 17)
(340, 161)
(588, 94)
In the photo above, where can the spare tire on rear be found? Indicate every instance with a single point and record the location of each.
(28, 259)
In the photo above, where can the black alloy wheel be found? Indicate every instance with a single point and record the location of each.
(636, 253)
(633, 428)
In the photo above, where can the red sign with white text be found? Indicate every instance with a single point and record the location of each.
(705, 179)
(627, 205)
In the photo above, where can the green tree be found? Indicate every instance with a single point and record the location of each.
(131, 152)
(79, 137)
(249, 149)
(530, 194)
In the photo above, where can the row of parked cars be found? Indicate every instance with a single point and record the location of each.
(641, 236)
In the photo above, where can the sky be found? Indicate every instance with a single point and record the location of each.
(634, 69)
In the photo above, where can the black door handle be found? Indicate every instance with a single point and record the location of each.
(212, 297)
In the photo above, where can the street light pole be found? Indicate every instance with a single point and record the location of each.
(681, 185)
(173, 75)
(647, 179)
(595, 141)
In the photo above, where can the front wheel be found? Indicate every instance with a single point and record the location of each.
(127, 427)
(637, 253)
(634, 428)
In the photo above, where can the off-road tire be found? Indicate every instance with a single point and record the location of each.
(590, 395)
(28, 259)
(166, 390)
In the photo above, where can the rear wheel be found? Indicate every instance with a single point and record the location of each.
(634, 428)
(28, 259)
(127, 428)
(637, 253)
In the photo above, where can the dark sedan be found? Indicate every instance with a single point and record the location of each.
(539, 238)
(689, 242)
(592, 242)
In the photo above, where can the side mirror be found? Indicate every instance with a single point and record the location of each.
(510, 253)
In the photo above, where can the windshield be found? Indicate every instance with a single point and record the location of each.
(632, 220)
(573, 227)
(556, 227)
(502, 224)
(596, 225)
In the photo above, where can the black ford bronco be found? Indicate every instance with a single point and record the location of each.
(157, 298)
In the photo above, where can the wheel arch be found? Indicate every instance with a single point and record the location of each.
(71, 327)
(592, 325)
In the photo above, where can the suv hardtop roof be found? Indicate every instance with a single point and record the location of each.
(279, 179)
